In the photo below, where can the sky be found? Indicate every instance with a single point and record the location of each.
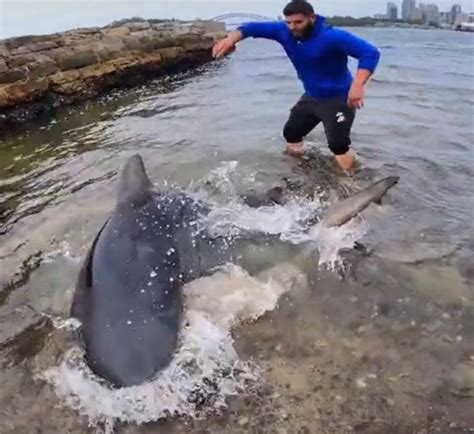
(22, 17)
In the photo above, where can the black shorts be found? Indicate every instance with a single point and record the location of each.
(336, 116)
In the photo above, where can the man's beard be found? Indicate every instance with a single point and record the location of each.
(306, 32)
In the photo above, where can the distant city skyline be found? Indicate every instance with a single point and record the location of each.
(428, 13)
(21, 17)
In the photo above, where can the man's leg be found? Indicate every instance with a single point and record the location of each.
(338, 119)
(301, 121)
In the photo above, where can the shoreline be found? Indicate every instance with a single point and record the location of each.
(40, 73)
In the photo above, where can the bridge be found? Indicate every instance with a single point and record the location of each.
(236, 19)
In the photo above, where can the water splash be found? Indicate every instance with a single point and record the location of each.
(235, 218)
(206, 369)
(220, 182)
(293, 222)
(330, 241)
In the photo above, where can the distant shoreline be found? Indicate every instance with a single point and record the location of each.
(372, 22)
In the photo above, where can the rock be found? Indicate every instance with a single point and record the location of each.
(64, 77)
(243, 421)
(148, 44)
(35, 47)
(462, 380)
(21, 60)
(4, 52)
(208, 40)
(39, 73)
(109, 48)
(361, 383)
(12, 75)
(189, 30)
(164, 40)
(191, 43)
(42, 68)
(138, 26)
(78, 59)
(144, 33)
(3, 66)
(117, 32)
(70, 82)
(84, 31)
(81, 80)
(139, 43)
(21, 41)
(170, 53)
(76, 38)
(22, 92)
(124, 21)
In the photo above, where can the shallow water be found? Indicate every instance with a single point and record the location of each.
(350, 348)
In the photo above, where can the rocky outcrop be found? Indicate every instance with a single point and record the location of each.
(39, 73)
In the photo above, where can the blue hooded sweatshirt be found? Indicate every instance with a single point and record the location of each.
(321, 59)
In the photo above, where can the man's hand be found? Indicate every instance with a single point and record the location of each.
(223, 47)
(227, 45)
(356, 96)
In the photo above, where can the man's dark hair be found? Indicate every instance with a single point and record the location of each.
(298, 7)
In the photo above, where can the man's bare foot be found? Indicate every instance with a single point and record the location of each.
(346, 162)
(294, 149)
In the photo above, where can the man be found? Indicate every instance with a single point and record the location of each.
(319, 54)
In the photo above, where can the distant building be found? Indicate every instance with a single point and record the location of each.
(380, 17)
(416, 15)
(455, 10)
(392, 11)
(407, 9)
(461, 18)
(445, 17)
(423, 8)
(432, 15)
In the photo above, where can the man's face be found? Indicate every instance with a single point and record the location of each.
(300, 25)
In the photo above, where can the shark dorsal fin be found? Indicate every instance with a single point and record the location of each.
(134, 185)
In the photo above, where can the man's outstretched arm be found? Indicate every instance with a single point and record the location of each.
(266, 30)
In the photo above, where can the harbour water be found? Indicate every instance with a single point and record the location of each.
(373, 340)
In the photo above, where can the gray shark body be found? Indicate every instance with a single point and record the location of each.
(129, 291)
(344, 210)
